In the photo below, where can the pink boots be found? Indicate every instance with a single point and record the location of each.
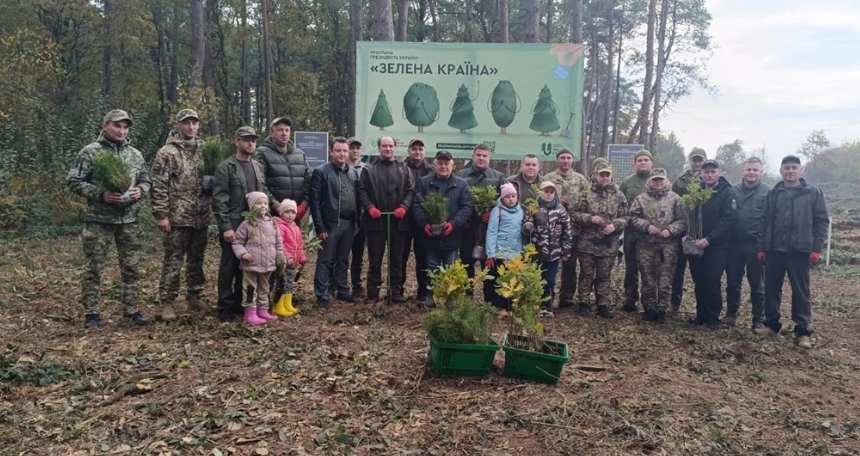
(263, 313)
(251, 318)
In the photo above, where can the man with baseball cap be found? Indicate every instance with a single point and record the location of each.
(111, 217)
(287, 174)
(235, 177)
(418, 166)
(356, 151)
(694, 168)
(794, 229)
(181, 207)
(632, 186)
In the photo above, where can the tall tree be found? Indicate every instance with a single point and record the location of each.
(576, 21)
(662, 56)
(107, 53)
(531, 16)
(647, 90)
(402, 19)
(267, 61)
(355, 35)
(503, 34)
(244, 84)
(383, 21)
(198, 43)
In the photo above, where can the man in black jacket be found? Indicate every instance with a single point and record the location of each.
(750, 195)
(794, 229)
(334, 208)
(477, 173)
(718, 215)
(387, 186)
(287, 174)
(412, 241)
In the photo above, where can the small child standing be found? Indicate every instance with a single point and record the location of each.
(294, 253)
(504, 239)
(553, 237)
(258, 245)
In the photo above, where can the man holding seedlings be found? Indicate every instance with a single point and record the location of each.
(112, 176)
(287, 174)
(632, 186)
(181, 208)
(418, 167)
(235, 177)
(571, 187)
(697, 157)
(794, 228)
(387, 186)
(477, 173)
(751, 195)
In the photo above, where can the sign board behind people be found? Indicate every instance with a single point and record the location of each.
(315, 146)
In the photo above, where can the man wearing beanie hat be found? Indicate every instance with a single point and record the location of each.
(696, 159)
(478, 172)
(235, 177)
(794, 229)
(601, 215)
(287, 174)
(571, 186)
(111, 217)
(181, 207)
(632, 186)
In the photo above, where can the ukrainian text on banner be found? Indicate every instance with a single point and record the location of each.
(517, 98)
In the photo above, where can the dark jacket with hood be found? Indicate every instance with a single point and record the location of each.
(456, 190)
(795, 219)
(287, 174)
(719, 215)
(334, 196)
(751, 202)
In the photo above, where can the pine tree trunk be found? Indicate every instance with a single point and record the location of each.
(663, 49)
(617, 100)
(434, 19)
(245, 101)
(214, 48)
(645, 108)
(549, 13)
(267, 61)
(198, 49)
(504, 32)
(107, 52)
(402, 19)
(383, 21)
(355, 36)
(467, 23)
(576, 21)
(532, 20)
(606, 103)
(173, 84)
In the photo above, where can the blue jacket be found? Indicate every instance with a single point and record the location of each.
(504, 233)
(456, 189)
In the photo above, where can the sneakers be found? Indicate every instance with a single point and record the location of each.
(136, 319)
(804, 342)
(604, 312)
(92, 321)
(168, 313)
(544, 313)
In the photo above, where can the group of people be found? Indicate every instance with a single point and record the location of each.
(260, 194)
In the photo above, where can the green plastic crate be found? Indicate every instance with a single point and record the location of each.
(461, 360)
(537, 366)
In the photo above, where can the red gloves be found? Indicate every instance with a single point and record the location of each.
(447, 229)
(489, 263)
(814, 257)
(374, 213)
(428, 231)
(301, 210)
(399, 213)
(761, 256)
(485, 217)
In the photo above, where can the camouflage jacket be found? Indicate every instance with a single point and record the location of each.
(682, 182)
(553, 233)
(607, 203)
(80, 181)
(570, 186)
(177, 191)
(662, 209)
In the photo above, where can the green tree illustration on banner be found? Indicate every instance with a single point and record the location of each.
(421, 105)
(503, 105)
(545, 119)
(462, 112)
(381, 116)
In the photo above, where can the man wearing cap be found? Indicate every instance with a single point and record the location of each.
(600, 215)
(356, 151)
(181, 208)
(717, 217)
(386, 186)
(235, 177)
(111, 217)
(794, 229)
(442, 249)
(632, 186)
(680, 186)
(571, 186)
(418, 166)
(750, 195)
(478, 172)
(661, 219)
(287, 174)
(528, 179)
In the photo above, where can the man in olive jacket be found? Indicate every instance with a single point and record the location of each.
(477, 173)
(694, 168)
(235, 177)
(794, 229)
(287, 174)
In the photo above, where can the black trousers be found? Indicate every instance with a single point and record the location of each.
(333, 261)
(742, 260)
(707, 271)
(678, 278)
(376, 241)
(357, 260)
(796, 266)
(229, 280)
(490, 294)
(468, 239)
(412, 241)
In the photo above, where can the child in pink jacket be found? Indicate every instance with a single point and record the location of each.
(258, 245)
(294, 252)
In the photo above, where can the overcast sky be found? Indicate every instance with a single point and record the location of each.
(782, 68)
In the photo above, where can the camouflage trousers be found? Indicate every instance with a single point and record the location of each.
(657, 266)
(285, 282)
(594, 274)
(96, 239)
(182, 243)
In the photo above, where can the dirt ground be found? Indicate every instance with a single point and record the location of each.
(343, 382)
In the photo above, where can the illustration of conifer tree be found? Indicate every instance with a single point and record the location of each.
(462, 112)
(381, 116)
(504, 105)
(421, 105)
(545, 119)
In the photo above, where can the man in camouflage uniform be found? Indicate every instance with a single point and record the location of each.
(181, 208)
(111, 217)
(600, 214)
(632, 186)
(695, 160)
(661, 219)
(571, 186)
